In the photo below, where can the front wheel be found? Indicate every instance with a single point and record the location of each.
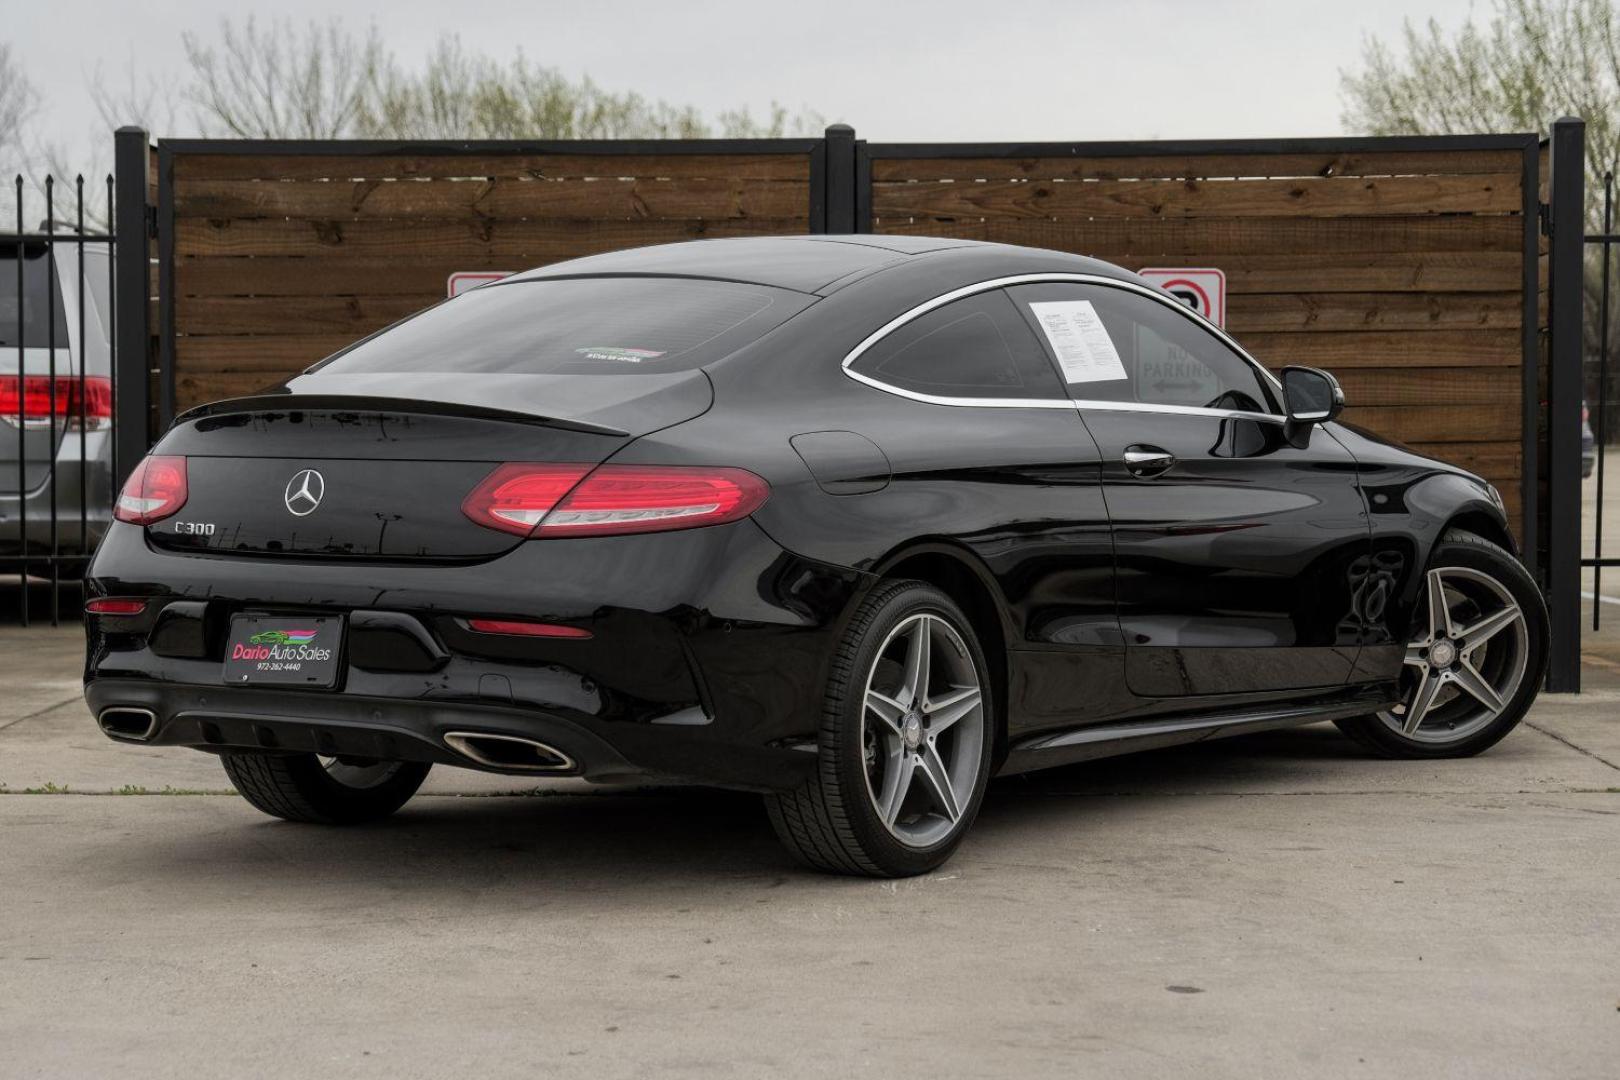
(905, 742)
(1476, 657)
(324, 791)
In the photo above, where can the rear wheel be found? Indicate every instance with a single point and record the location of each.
(322, 790)
(905, 741)
(1475, 659)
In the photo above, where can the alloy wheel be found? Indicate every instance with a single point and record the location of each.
(1468, 661)
(359, 773)
(922, 730)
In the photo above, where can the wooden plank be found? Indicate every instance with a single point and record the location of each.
(354, 315)
(277, 354)
(1165, 166)
(1428, 386)
(1490, 193)
(1490, 460)
(1439, 423)
(793, 166)
(197, 389)
(314, 276)
(1171, 239)
(1438, 271)
(460, 200)
(1284, 312)
(521, 243)
(1388, 349)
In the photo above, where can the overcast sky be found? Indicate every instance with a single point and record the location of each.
(936, 70)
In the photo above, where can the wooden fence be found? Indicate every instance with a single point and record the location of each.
(278, 255)
(1408, 267)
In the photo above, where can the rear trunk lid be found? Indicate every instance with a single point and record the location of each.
(353, 476)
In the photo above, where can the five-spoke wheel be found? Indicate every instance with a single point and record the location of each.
(905, 744)
(1468, 661)
(1474, 658)
(922, 730)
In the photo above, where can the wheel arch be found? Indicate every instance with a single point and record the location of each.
(1483, 522)
(966, 580)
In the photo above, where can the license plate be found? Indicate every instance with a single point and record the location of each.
(266, 650)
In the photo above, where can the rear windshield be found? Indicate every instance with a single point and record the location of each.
(577, 326)
(27, 320)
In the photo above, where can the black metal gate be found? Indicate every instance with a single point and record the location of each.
(1598, 407)
(58, 417)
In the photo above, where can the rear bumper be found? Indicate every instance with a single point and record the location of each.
(341, 725)
(706, 664)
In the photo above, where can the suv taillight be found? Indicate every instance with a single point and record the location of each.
(577, 500)
(154, 491)
(30, 402)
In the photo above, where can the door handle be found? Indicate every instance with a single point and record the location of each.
(1148, 461)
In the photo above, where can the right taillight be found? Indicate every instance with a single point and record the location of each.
(154, 491)
(577, 500)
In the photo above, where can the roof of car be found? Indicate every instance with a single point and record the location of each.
(816, 264)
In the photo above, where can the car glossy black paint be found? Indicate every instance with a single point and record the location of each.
(1187, 613)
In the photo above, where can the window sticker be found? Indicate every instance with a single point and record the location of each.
(625, 356)
(1084, 350)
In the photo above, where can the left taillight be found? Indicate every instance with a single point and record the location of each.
(543, 500)
(33, 400)
(154, 491)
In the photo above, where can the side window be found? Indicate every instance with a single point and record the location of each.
(974, 347)
(1117, 345)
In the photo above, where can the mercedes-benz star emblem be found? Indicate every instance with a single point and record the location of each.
(304, 492)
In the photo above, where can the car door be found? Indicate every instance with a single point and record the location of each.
(1236, 538)
(988, 454)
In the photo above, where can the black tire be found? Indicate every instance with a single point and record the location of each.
(830, 823)
(298, 787)
(1465, 549)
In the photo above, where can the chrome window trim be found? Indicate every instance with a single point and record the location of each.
(1057, 403)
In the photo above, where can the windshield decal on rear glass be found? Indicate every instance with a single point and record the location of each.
(626, 356)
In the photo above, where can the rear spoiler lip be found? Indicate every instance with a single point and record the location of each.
(285, 402)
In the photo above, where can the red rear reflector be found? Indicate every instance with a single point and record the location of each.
(29, 400)
(115, 605)
(577, 500)
(516, 628)
(154, 491)
(516, 496)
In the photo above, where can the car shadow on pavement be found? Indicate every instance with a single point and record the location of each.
(568, 846)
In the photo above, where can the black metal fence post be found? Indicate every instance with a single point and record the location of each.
(131, 291)
(840, 179)
(1565, 388)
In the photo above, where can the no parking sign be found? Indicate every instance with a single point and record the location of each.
(1201, 288)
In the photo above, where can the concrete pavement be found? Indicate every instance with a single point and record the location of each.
(1277, 905)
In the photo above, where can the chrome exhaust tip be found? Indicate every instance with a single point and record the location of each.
(128, 723)
(509, 753)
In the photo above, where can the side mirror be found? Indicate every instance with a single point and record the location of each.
(1311, 396)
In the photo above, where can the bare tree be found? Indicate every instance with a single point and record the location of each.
(461, 95)
(280, 82)
(18, 104)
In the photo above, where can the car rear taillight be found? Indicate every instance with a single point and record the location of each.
(516, 496)
(30, 401)
(154, 491)
(576, 500)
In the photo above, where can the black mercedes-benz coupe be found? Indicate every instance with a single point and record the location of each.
(856, 522)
